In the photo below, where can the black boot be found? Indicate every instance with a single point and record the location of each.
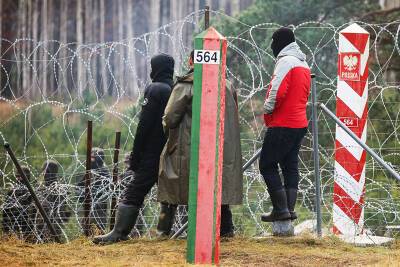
(125, 220)
(280, 210)
(291, 195)
(166, 219)
(226, 227)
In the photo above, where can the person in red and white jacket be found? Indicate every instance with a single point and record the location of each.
(285, 117)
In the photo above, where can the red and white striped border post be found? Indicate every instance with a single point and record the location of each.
(352, 109)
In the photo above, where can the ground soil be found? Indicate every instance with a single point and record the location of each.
(269, 251)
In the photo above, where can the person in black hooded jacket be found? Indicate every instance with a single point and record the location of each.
(148, 144)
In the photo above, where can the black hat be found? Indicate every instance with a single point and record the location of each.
(280, 39)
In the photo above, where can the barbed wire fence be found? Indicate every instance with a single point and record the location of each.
(86, 85)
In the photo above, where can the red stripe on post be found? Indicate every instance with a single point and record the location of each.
(207, 170)
(220, 150)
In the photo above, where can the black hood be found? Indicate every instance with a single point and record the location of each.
(162, 69)
(97, 158)
(50, 169)
(280, 39)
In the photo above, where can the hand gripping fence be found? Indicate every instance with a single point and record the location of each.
(32, 193)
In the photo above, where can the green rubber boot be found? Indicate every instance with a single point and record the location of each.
(124, 222)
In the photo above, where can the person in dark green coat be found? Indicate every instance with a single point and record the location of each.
(173, 182)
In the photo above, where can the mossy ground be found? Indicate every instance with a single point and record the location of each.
(270, 251)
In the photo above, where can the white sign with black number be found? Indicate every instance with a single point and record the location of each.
(206, 56)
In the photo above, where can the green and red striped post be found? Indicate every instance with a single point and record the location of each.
(207, 141)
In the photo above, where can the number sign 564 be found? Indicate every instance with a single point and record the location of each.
(206, 57)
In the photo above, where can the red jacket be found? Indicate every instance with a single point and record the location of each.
(288, 91)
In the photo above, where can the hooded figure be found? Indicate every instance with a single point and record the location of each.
(54, 201)
(148, 144)
(18, 210)
(285, 117)
(50, 169)
(280, 39)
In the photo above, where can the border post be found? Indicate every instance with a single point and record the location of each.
(115, 176)
(207, 141)
(352, 110)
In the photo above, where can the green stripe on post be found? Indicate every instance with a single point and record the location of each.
(194, 153)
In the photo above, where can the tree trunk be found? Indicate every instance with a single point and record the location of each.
(44, 38)
(173, 15)
(35, 36)
(19, 55)
(79, 39)
(29, 47)
(114, 66)
(122, 49)
(131, 68)
(92, 61)
(1, 51)
(235, 7)
(51, 83)
(62, 71)
(103, 59)
(197, 6)
(88, 36)
(154, 23)
(25, 51)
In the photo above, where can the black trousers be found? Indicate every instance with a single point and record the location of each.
(145, 177)
(226, 226)
(281, 146)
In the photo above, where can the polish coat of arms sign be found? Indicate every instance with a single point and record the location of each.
(349, 66)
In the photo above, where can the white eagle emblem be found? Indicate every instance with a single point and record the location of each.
(350, 62)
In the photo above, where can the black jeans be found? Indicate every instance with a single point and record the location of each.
(145, 177)
(281, 146)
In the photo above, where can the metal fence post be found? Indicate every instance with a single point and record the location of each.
(115, 177)
(316, 156)
(88, 197)
(207, 17)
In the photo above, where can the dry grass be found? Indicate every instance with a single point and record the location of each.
(298, 251)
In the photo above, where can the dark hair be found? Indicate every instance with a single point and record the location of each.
(192, 55)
